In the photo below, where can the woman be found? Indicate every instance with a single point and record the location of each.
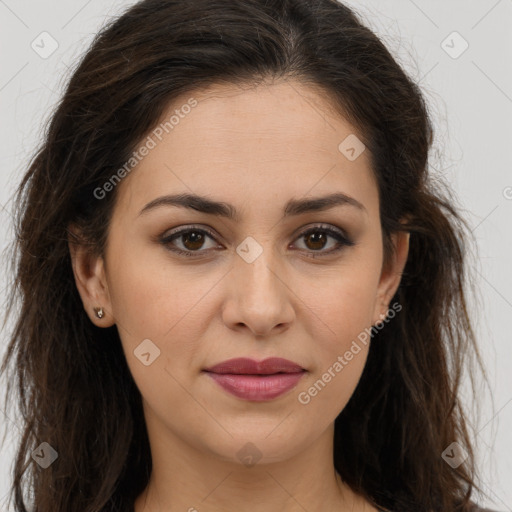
(240, 288)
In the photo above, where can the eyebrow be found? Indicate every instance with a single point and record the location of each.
(222, 209)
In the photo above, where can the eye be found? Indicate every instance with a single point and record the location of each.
(316, 238)
(192, 239)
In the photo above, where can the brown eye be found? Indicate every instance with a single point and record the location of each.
(317, 238)
(188, 241)
(193, 240)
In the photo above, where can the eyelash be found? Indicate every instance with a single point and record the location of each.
(343, 241)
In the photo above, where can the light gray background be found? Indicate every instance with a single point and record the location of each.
(470, 98)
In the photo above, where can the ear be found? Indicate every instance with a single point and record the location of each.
(391, 275)
(90, 279)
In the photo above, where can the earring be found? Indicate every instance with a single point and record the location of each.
(99, 312)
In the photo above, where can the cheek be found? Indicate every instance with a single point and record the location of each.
(170, 306)
(342, 336)
(344, 305)
(353, 295)
(341, 307)
(151, 296)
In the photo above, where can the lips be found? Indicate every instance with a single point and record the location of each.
(256, 381)
(246, 366)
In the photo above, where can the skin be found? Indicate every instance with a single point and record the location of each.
(254, 148)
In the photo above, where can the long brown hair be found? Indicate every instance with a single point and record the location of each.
(75, 390)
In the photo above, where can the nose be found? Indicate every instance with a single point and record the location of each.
(258, 297)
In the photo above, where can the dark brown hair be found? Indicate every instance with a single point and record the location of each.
(75, 389)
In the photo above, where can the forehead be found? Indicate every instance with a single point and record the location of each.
(286, 116)
(243, 142)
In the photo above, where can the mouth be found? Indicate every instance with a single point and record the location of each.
(246, 366)
(256, 381)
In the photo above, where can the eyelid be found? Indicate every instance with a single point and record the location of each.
(186, 228)
(334, 230)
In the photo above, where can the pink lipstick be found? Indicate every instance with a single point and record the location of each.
(256, 381)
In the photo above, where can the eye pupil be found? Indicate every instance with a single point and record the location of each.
(195, 237)
(316, 238)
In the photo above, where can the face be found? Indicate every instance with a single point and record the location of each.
(283, 276)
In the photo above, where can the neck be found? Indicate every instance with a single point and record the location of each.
(187, 479)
